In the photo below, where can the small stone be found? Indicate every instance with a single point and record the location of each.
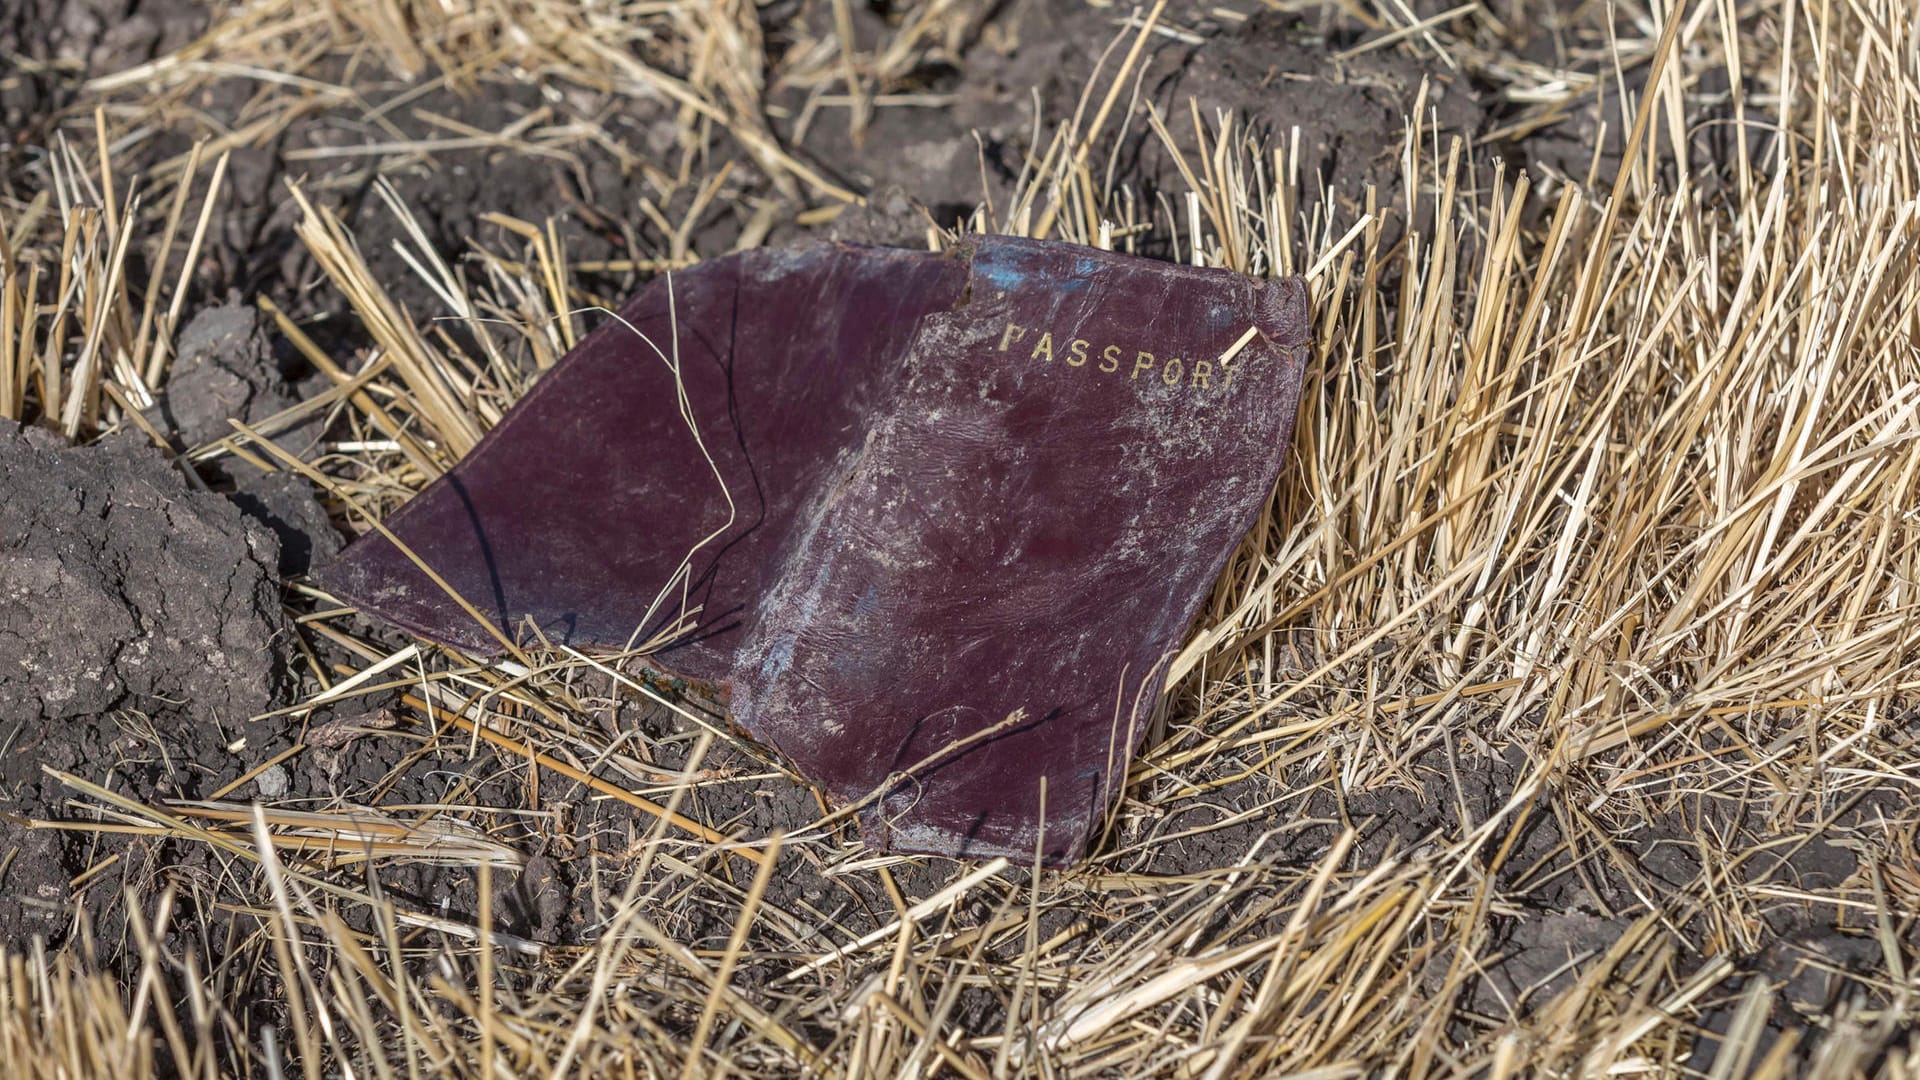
(273, 782)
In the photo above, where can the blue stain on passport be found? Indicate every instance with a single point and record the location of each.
(1012, 271)
(1005, 275)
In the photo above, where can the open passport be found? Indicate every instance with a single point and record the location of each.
(930, 525)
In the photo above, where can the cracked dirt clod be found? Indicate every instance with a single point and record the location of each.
(225, 368)
(285, 503)
(119, 587)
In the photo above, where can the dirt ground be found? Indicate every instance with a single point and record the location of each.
(154, 637)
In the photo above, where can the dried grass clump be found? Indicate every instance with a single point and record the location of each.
(1614, 482)
(704, 62)
(74, 343)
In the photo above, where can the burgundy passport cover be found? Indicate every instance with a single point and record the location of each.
(906, 496)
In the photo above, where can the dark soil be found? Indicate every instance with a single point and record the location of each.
(160, 597)
(223, 369)
(140, 628)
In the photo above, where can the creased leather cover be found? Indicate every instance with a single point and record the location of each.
(940, 519)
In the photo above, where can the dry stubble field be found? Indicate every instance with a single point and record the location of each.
(1554, 719)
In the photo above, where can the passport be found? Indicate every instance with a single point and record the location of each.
(929, 524)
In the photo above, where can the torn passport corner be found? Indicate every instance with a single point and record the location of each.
(929, 524)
